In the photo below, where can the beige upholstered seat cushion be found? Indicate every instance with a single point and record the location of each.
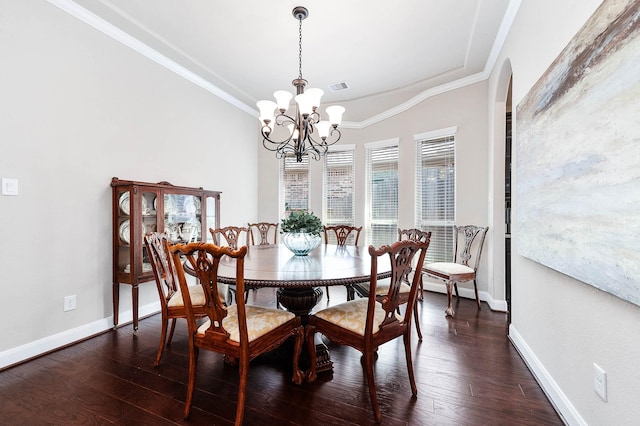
(259, 321)
(353, 315)
(382, 287)
(449, 268)
(197, 296)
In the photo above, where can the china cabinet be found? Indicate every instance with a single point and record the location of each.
(139, 208)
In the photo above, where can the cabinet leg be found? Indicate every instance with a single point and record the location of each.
(134, 294)
(116, 303)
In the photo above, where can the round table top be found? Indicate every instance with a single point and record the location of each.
(276, 266)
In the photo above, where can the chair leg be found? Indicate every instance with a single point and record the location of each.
(368, 366)
(475, 287)
(327, 288)
(163, 336)
(420, 291)
(242, 389)
(455, 285)
(417, 320)
(407, 352)
(449, 311)
(351, 293)
(173, 328)
(193, 366)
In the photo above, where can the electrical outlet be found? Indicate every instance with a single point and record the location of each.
(69, 303)
(600, 381)
(9, 186)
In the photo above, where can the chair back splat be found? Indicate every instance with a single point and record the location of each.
(266, 231)
(241, 332)
(234, 237)
(231, 236)
(365, 324)
(342, 235)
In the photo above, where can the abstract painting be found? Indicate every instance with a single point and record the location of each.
(578, 156)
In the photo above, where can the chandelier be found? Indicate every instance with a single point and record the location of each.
(300, 132)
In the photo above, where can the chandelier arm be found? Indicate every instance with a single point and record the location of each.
(280, 120)
(326, 142)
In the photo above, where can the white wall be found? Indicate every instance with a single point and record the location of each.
(562, 326)
(76, 109)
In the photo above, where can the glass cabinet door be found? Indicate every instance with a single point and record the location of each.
(182, 217)
(124, 231)
(149, 224)
(211, 222)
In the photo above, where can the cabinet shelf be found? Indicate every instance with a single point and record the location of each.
(139, 208)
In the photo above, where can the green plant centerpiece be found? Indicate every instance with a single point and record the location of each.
(301, 232)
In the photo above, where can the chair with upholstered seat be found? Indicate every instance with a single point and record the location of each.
(383, 286)
(342, 235)
(240, 332)
(365, 324)
(468, 243)
(266, 231)
(171, 301)
(234, 237)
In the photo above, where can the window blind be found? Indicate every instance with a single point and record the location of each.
(294, 183)
(338, 187)
(382, 195)
(435, 195)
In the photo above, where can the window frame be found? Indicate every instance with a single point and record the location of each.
(371, 236)
(442, 228)
(326, 205)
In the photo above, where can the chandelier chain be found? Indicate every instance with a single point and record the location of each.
(300, 48)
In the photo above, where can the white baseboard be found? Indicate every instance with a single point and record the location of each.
(468, 293)
(563, 406)
(38, 347)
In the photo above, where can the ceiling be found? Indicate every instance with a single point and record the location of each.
(386, 52)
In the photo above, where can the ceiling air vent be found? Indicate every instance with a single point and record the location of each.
(336, 87)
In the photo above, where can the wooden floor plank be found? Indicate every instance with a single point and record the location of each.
(467, 373)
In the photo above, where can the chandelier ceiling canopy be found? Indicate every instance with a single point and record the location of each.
(299, 130)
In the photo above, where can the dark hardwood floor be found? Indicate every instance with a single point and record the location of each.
(467, 373)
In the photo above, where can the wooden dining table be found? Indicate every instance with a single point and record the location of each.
(300, 279)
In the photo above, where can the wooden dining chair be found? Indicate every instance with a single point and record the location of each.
(414, 234)
(240, 332)
(467, 249)
(234, 237)
(365, 324)
(267, 231)
(342, 235)
(171, 300)
(383, 286)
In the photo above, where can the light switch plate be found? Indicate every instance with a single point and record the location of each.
(9, 186)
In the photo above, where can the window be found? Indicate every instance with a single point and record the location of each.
(382, 192)
(338, 185)
(294, 183)
(435, 191)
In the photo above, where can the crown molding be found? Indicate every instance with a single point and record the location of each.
(112, 31)
(93, 20)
